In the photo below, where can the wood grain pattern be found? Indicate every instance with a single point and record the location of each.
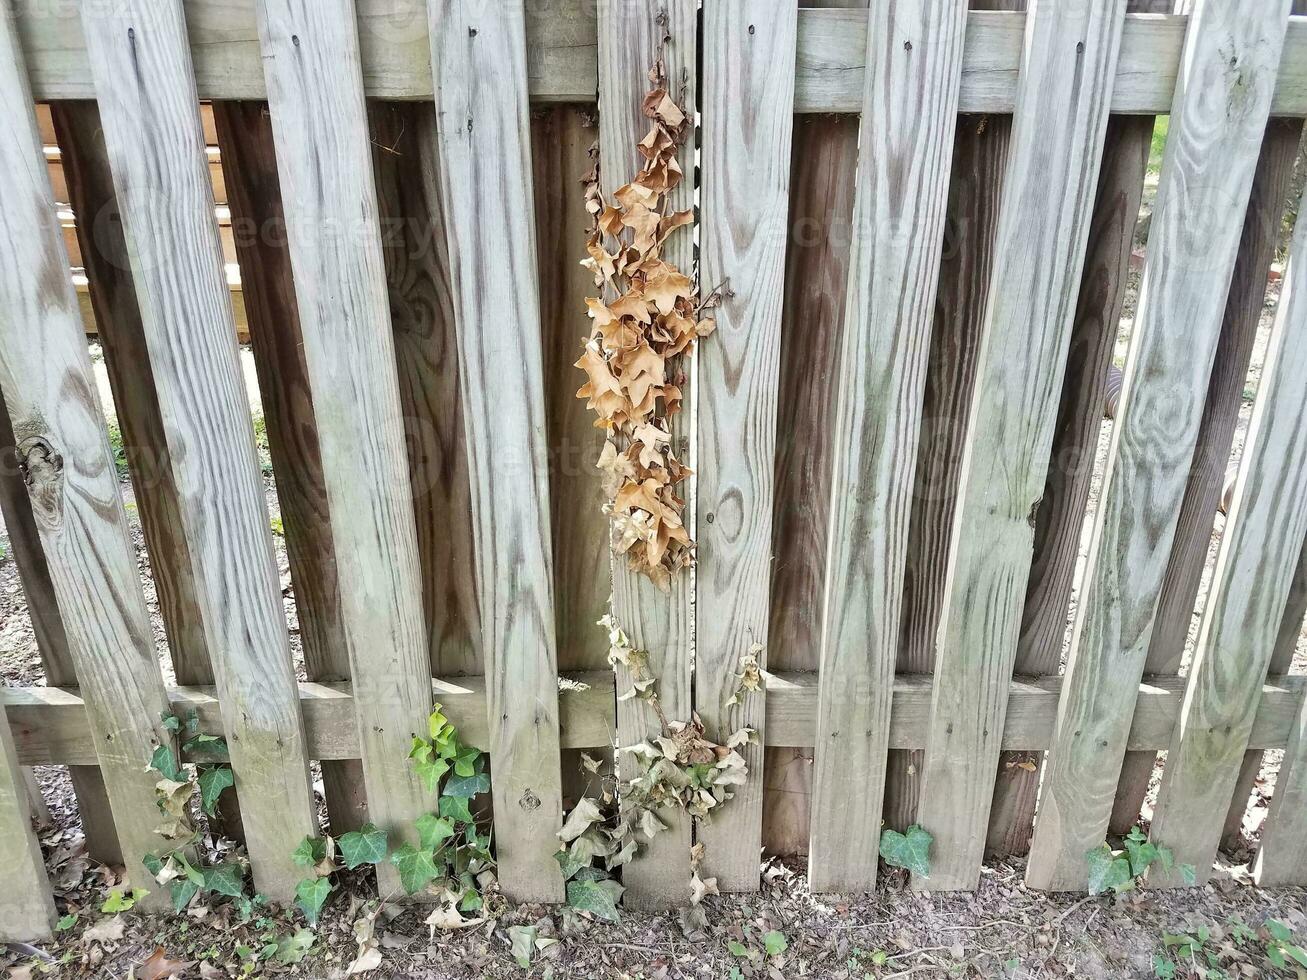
(320, 127)
(630, 38)
(1057, 142)
(245, 135)
(562, 56)
(900, 207)
(155, 146)
(1258, 556)
(1061, 515)
(51, 638)
(1217, 123)
(1262, 234)
(748, 60)
(980, 149)
(486, 187)
(27, 912)
(50, 395)
(561, 140)
(414, 245)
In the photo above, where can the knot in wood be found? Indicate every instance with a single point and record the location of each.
(529, 801)
(42, 467)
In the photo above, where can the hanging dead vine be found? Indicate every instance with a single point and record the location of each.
(645, 323)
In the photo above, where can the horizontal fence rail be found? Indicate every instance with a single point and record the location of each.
(915, 229)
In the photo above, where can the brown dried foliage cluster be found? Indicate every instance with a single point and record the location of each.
(646, 321)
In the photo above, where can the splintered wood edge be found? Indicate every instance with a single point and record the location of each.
(49, 723)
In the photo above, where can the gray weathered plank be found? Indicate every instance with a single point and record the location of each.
(244, 133)
(51, 638)
(631, 36)
(486, 188)
(1260, 546)
(748, 59)
(27, 911)
(903, 179)
(50, 395)
(1216, 129)
(324, 159)
(562, 57)
(1060, 521)
(1057, 142)
(155, 144)
(1262, 236)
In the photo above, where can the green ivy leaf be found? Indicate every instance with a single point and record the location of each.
(171, 723)
(181, 891)
(213, 780)
(227, 879)
(455, 807)
(120, 901)
(465, 762)
(432, 830)
(164, 762)
(311, 850)
(210, 747)
(1142, 854)
(416, 867)
(910, 850)
(66, 922)
(569, 865)
(524, 944)
(775, 943)
(1108, 871)
(1279, 931)
(436, 721)
(367, 845)
(599, 898)
(467, 786)
(310, 895)
(292, 949)
(428, 767)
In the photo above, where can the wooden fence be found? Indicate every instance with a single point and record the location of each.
(894, 432)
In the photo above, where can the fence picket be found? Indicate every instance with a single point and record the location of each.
(49, 391)
(1057, 143)
(1260, 545)
(1262, 234)
(748, 59)
(1061, 516)
(1207, 173)
(880, 380)
(320, 128)
(27, 911)
(244, 133)
(418, 272)
(631, 36)
(155, 144)
(486, 188)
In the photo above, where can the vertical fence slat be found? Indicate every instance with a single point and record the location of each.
(486, 187)
(324, 160)
(155, 144)
(1262, 233)
(1286, 646)
(1260, 545)
(51, 638)
(426, 349)
(1061, 517)
(49, 391)
(1217, 124)
(748, 56)
(1058, 132)
(631, 36)
(249, 167)
(126, 357)
(980, 153)
(561, 139)
(901, 200)
(27, 911)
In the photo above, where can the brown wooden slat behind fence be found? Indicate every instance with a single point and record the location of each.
(894, 431)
